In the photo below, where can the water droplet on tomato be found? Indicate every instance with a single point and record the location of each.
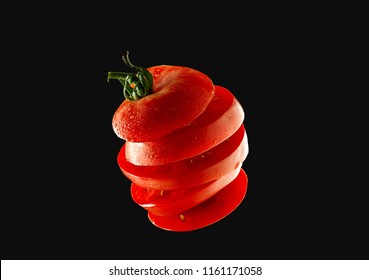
(157, 73)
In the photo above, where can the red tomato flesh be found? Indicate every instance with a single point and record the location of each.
(194, 171)
(176, 201)
(208, 212)
(180, 95)
(221, 118)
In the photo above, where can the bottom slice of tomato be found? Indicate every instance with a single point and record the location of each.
(208, 212)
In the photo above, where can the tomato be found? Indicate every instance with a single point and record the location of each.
(185, 144)
(180, 95)
(187, 173)
(208, 212)
(162, 202)
(221, 118)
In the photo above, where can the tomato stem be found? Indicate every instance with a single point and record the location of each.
(135, 85)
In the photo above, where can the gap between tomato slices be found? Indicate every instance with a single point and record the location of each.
(187, 173)
(208, 212)
(221, 118)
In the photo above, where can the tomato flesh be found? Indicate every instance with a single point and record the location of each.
(221, 118)
(176, 201)
(187, 173)
(180, 95)
(208, 212)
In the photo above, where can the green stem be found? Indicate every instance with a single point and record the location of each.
(135, 85)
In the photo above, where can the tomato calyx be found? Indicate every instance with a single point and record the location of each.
(135, 85)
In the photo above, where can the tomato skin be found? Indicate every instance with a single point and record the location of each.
(222, 117)
(180, 95)
(208, 212)
(174, 202)
(187, 173)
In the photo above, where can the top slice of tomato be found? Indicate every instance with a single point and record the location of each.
(180, 95)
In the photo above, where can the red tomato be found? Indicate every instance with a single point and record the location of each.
(176, 201)
(194, 171)
(208, 212)
(180, 95)
(185, 143)
(221, 118)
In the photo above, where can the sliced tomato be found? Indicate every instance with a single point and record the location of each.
(221, 118)
(176, 201)
(194, 171)
(180, 95)
(208, 212)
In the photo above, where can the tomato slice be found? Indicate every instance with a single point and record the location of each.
(180, 95)
(176, 201)
(208, 212)
(222, 117)
(194, 171)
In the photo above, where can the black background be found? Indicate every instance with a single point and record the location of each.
(63, 195)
